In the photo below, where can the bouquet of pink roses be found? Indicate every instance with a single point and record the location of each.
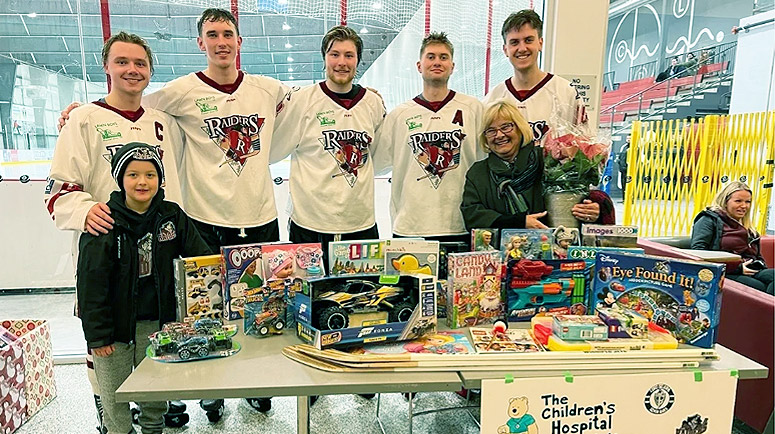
(573, 158)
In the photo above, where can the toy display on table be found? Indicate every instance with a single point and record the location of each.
(205, 338)
(526, 243)
(474, 288)
(552, 285)
(484, 239)
(411, 256)
(683, 297)
(562, 239)
(579, 328)
(356, 257)
(346, 310)
(512, 340)
(242, 272)
(609, 236)
(265, 309)
(198, 287)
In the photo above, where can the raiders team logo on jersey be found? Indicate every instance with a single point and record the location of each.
(350, 149)
(540, 129)
(437, 152)
(237, 136)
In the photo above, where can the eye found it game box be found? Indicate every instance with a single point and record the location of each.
(683, 297)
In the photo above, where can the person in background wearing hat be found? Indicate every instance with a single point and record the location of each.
(125, 284)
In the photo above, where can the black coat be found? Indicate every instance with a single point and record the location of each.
(107, 275)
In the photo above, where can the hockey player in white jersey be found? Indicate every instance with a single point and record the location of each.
(430, 142)
(541, 96)
(328, 129)
(79, 183)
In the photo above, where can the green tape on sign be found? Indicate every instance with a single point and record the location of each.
(509, 378)
(698, 376)
(568, 377)
(733, 373)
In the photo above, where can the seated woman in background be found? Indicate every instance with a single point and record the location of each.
(505, 189)
(726, 225)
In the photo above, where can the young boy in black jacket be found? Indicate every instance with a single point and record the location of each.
(125, 279)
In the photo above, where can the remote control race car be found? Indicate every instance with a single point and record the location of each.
(334, 307)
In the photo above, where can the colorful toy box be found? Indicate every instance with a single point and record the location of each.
(242, 272)
(623, 322)
(356, 257)
(349, 310)
(562, 239)
(579, 328)
(474, 288)
(683, 297)
(265, 309)
(199, 287)
(485, 239)
(609, 236)
(411, 256)
(553, 285)
(526, 243)
(34, 339)
(292, 261)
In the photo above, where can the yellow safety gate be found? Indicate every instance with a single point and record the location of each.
(676, 167)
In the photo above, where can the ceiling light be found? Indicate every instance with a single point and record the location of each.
(290, 77)
(290, 69)
(288, 45)
(32, 14)
(289, 59)
(286, 26)
(364, 30)
(376, 5)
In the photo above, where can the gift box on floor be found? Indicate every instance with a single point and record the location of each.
(13, 404)
(34, 338)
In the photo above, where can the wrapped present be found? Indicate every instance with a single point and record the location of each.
(34, 338)
(13, 403)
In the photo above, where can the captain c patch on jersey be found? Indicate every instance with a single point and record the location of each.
(237, 136)
(437, 152)
(350, 149)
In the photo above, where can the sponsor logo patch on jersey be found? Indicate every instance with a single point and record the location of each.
(325, 118)
(412, 123)
(237, 136)
(106, 132)
(167, 232)
(350, 149)
(205, 104)
(436, 152)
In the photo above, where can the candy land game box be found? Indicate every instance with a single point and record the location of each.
(474, 288)
(683, 297)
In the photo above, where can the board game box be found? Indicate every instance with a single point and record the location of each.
(683, 297)
(198, 287)
(609, 236)
(243, 272)
(411, 256)
(474, 288)
(356, 257)
(526, 243)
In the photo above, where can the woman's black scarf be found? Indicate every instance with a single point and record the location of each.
(512, 182)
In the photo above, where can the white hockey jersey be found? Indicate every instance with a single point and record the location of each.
(430, 147)
(329, 141)
(538, 104)
(80, 170)
(224, 171)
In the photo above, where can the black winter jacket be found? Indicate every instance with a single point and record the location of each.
(707, 230)
(108, 268)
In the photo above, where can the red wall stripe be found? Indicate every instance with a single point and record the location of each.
(105, 19)
(488, 50)
(235, 12)
(427, 17)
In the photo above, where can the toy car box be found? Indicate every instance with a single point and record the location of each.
(683, 297)
(242, 273)
(553, 285)
(198, 287)
(474, 288)
(623, 322)
(579, 328)
(349, 310)
(265, 309)
(526, 243)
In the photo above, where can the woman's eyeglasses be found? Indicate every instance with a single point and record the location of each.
(491, 132)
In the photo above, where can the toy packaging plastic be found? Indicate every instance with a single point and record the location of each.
(609, 236)
(484, 239)
(579, 328)
(683, 297)
(623, 322)
(511, 341)
(242, 272)
(553, 285)
(205, 338)
(526, 243)
(356, 257)
(198, 287)
(562, 239)
(474, 288)
(265, 309)
(350, 310)
(411, 256)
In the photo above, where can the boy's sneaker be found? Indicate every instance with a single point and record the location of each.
(261, 404)
(367, 395)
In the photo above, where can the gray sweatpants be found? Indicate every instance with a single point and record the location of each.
(113, 370)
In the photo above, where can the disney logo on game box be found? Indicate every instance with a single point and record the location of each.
(606, 258)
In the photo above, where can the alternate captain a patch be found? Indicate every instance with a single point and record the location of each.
(350, 149)
(437, 152)
(237, 136)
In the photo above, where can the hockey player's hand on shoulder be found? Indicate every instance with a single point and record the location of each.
(65, 115)
(104, 351)
(98, 220)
